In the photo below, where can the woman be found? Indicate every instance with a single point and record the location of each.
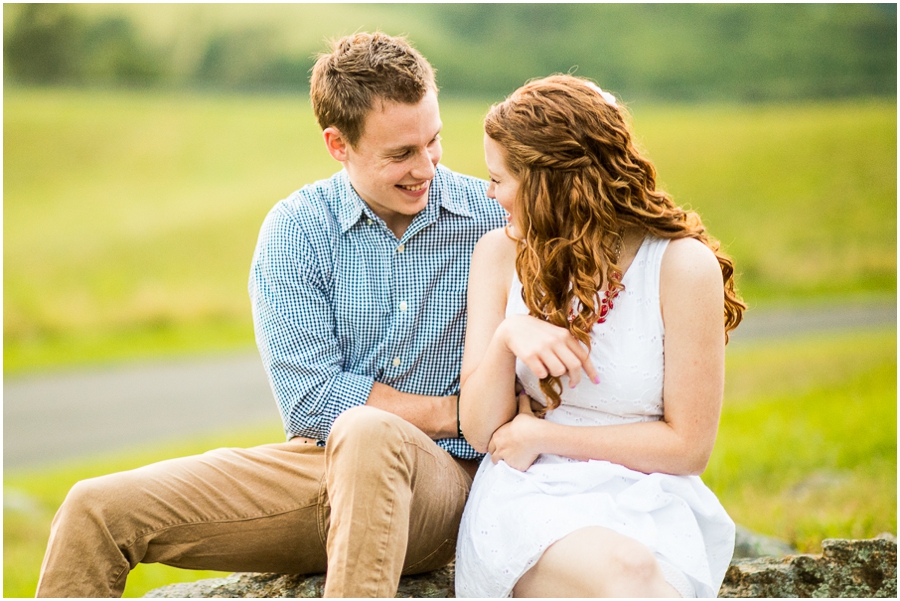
(598, 274)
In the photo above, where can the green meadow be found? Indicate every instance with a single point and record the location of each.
(131, 217)
(806, 450)
(807, 442)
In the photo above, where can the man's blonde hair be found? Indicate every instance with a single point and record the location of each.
(360, 69)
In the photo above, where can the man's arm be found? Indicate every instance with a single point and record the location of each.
(433, 415)
(295, 333)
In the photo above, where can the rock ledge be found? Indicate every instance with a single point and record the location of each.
(846, 568)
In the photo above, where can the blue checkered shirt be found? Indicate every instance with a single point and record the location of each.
(339, 302)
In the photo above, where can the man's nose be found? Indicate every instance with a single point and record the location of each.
(425, 165)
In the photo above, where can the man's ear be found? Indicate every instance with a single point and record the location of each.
(335, 143)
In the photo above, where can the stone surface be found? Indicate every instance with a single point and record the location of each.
(846, 568)
(429, 585)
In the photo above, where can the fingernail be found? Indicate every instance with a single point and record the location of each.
(596, 379)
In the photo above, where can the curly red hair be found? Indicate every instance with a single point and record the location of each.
(581, 181)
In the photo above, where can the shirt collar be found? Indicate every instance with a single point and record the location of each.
(351, 207)
(455, 203)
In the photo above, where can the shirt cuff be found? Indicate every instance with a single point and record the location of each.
(349, 391)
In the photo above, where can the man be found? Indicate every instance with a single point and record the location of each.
(358, 288)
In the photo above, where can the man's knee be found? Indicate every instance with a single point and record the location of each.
(367, 436)
(85, 513)
(103, 504)
(367, 425)
(90, 497)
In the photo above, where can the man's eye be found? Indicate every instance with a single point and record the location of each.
(401, 156)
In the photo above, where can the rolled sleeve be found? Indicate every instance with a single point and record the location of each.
(294, 326)
(350, 390)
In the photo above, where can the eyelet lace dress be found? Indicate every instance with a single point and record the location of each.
(512, 517)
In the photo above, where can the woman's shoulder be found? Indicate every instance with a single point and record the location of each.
(689, 254)
(689, 264)
(494, 258)
(495, 245)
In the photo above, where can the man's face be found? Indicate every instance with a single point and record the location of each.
(394, 161)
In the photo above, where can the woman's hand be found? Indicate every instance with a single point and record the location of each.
(546, 349)
(516, 442)
(534, 406)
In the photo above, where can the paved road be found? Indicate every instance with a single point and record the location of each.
(50, 417)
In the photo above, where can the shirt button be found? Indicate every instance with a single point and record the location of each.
(401, 248)
(403, 305)
(369, 222)
(396, 361)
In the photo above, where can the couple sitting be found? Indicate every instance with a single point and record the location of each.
(592, 369)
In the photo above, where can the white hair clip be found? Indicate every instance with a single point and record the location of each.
(606, 95)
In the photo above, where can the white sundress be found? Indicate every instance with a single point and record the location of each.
(511, 517)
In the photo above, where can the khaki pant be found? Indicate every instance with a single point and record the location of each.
(379, 500)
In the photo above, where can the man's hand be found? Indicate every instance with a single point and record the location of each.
(515, 442)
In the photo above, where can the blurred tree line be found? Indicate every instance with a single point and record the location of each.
(682, 52)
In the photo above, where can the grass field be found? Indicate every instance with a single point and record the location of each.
(807, 444)
(130, 217)
(803, 457)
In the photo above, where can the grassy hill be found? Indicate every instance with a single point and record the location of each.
(130, 217)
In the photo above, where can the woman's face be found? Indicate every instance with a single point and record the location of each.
(504, 186)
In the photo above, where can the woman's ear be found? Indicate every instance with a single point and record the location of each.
(335, 143)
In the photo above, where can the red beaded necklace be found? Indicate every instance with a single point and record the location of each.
(611, 292)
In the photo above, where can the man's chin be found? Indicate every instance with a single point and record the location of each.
(412, 206)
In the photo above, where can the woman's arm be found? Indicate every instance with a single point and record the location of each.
(487, 395)
(487, 377)
(691, 299)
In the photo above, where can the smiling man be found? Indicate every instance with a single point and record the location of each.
(358, 286)
(393, 164)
